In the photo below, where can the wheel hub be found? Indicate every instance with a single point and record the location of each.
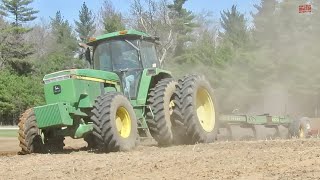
(301, 132)
(205, 110)
(171, 106)
(123, 122)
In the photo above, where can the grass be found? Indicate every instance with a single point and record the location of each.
(8, 133)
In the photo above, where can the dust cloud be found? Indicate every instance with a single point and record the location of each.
(279, 73)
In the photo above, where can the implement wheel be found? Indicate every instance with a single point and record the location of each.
(300, 128)
(161, 102)
(114, 122)
(198, 109)
(29, 134)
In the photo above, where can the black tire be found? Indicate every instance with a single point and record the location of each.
(178, 129)
(29, 134)
(159, 99)
(105, 129)
(299, 128)
(191, 87)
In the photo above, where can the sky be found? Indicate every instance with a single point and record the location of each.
(70, 8)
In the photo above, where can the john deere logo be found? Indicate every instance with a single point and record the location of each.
(56, 89)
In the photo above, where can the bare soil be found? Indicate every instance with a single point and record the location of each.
(271, 159)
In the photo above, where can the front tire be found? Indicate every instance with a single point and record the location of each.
(114, 122)
(29, 134)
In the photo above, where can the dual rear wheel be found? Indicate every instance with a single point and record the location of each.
(184, 111)
(197, 106)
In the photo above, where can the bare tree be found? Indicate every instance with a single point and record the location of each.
(152, 17)
(41, 38)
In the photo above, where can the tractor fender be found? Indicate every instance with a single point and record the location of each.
(149, 79)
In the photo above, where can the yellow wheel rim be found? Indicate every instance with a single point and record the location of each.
(205, 110)
(301, 132)
(123, 122)
(171, 106)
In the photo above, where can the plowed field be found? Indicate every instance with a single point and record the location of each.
(272, 159)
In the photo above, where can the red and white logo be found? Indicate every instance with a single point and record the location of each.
(305, 8)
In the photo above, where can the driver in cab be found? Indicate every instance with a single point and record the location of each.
(123, 64)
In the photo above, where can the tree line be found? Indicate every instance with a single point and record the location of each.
(244, 60)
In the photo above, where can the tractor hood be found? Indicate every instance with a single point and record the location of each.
(78, 87)
(88, 74)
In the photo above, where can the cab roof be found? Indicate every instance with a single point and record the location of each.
(125, 33)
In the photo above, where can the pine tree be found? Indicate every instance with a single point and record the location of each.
(64, 48)
(235, 29)
(14, 49)
(18, 10)
(265, 36)
(182, 23)
(113, 23)
(112, 20)
(62, 32)
(85, 27)
(265, 23)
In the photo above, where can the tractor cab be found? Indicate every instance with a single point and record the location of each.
(127, 53)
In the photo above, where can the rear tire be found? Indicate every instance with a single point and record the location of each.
(161, 103)
(114, 122)
(198, 111)
(29, 134)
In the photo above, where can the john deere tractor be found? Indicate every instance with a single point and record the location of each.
(123, 96)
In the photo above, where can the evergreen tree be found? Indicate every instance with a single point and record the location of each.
(18, 10)
(235, 29)
(18, 93)
(265, 24)
(14, 49)
(265, 36)
(113, 23)
(85, 27)
(64, 48)
(62, 31)
(182, 23)
(112, 20)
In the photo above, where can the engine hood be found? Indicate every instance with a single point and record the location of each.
(89, 73)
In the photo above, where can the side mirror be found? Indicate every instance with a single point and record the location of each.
(87, 52)
(88, 55)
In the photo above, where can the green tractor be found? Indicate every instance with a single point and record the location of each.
(123, 97)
